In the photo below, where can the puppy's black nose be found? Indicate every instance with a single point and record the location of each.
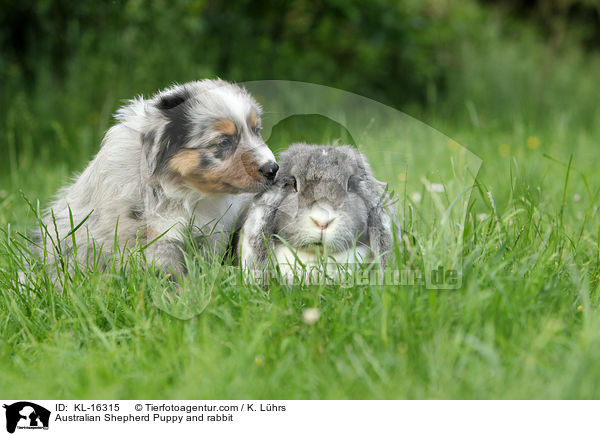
(269, 170)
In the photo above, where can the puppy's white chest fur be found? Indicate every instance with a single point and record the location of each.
(210, 218)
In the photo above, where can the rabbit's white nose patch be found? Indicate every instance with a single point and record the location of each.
(322, 216)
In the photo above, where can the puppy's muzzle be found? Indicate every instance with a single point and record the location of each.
(269, 170)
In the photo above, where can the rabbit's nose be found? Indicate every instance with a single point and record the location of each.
(322, 222)
(269, 170)
(322, 215)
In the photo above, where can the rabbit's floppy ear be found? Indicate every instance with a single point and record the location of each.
(255, 236)
(380, 222)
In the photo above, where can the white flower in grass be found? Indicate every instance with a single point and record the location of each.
(416, 197)
(436, 187)
(311, 315)
(576, 197)
(482, 216)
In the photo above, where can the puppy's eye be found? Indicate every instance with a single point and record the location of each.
(292, 183)
(226, 139)
(225, 147)
(352, 184)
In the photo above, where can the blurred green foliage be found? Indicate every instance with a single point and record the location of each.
(65, 66)
(388, 50)
(397, 51)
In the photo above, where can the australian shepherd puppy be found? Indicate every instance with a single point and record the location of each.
(186, 160)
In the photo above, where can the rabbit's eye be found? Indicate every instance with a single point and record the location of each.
(352, 184)
(292, 183)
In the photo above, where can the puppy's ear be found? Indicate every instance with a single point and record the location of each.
(170, 101)
(151, 148)
(159, 147)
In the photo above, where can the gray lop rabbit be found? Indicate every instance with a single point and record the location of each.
(324, 202)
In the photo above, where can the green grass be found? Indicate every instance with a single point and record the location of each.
(524, 324)
(513, 330)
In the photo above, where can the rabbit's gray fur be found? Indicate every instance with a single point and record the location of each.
(338, 183)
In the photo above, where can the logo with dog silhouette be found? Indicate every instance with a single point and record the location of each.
(26, 415)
